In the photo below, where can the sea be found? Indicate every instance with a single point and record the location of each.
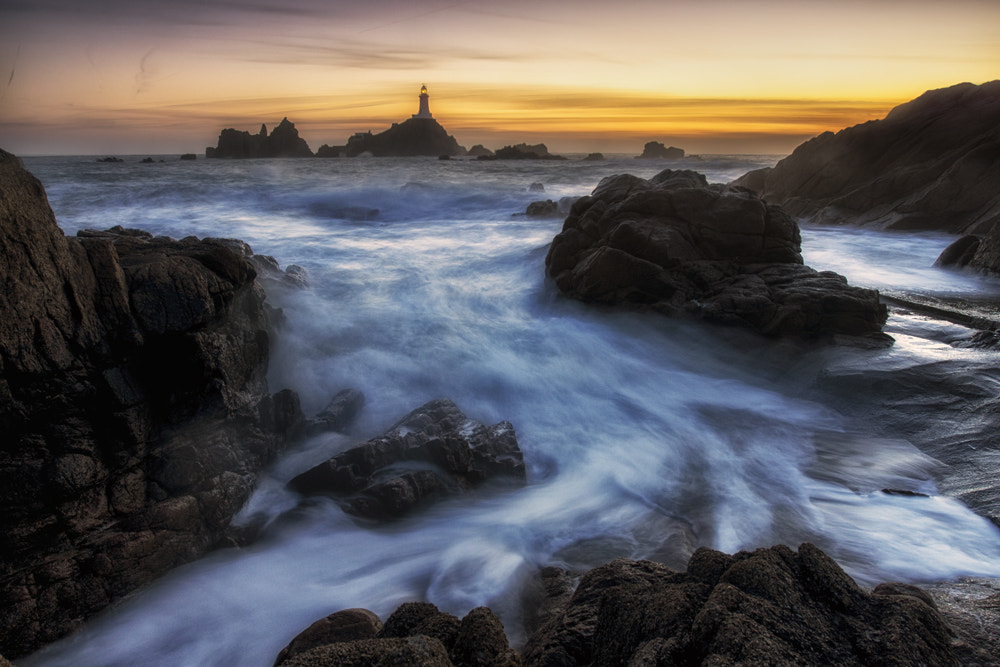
(643, 436)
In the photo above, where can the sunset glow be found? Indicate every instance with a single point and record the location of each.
(158, 77)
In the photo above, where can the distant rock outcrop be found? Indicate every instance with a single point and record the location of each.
(930, 164)
(284, 141)
(432, 452)
(523, 152)
(134, 408)
(654, 149)
(676, 245)
(412, 137)
(479, 150)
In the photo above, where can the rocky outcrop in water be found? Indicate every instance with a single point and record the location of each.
(133, 406)
(676, 245)
(412, 137)
(284, 141)
(522, 152)
(767, 607)
(656, 150)
(980, 254)
(930, 164)
(432, 452)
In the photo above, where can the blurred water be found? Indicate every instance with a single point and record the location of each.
(644, 437)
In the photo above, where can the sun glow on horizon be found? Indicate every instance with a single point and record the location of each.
(134, 76)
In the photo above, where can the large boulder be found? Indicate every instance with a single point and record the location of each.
(767, 607)
(133, 406)
(675, 244)
(432, 452)
(930, 164)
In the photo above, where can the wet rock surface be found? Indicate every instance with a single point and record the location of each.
(771, 606)
(133, 405)
(432, 452)
(930, 164)
(676, 245)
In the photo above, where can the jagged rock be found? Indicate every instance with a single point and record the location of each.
(930, 164)
(135, 409)
(656, 150)
(412, 137)
(284, 141)
(766, 607)
(676, 245)
(339, 413)
(433, 451)
(331, 151)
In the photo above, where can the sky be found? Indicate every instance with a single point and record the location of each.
(709, 76)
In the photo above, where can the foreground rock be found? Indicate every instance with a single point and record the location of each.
(931, 164)
(432, 452)
(980, 254)
(133, 406)
(767, 607)
(415, 634)
(676, 245)
(284, 141)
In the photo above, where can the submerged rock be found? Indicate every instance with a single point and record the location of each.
(676, 245)
(930, 164)
(432, 452)
(133, 406)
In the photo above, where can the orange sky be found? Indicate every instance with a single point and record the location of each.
(164, 76)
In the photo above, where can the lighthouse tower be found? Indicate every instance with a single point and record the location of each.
(425, 111)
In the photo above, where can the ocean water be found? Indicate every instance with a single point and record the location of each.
(644, 437)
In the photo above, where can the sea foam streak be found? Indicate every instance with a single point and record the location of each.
(644, 437)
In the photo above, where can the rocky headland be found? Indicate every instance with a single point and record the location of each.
(930, 164)
(284, 141)
(676, 245)
(133, 406)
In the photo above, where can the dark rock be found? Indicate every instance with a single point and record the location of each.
(422, 618)
(481, 641)
(524, 152)
(269, 271)
(767, 607)
(339, 413)
(147, 160)
(930, 164)
(959, 253)
(406, 652)
(331, 151)
(656, 150)
(536, 187)
(110, 159)
(342, 626)
(539, 209)
(132, 370)
(479, 150)
(676, 245)
(284, 141)
(189, 157)
(433, 451)
(412, 137)
(594, 157)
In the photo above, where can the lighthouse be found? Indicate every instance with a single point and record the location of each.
(425, 111)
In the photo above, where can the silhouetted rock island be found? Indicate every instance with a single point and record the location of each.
(676, 245)
(930, 164)
(654, 150)
(284, 141)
